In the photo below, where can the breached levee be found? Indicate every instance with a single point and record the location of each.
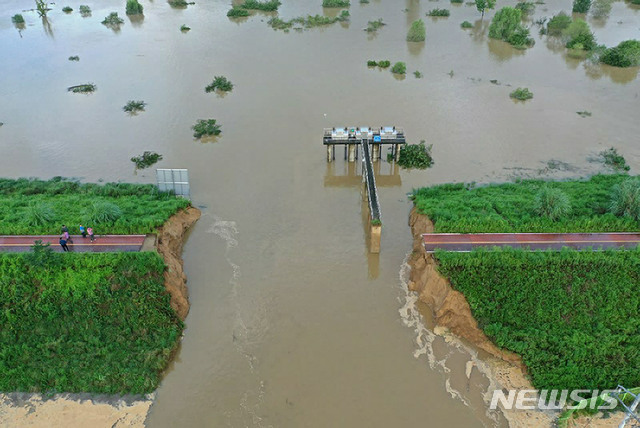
(452, 313)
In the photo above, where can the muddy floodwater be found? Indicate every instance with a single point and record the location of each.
(293, 323)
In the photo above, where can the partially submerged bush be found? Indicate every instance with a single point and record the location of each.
(371, 63)
(308, 22)
(85, 88)
(483, 5)
(84, 10)
(146, 159)
(601, 8)
(134, 106)
(220, 83)
(506, 26)
(179, 3)
(399, 68)
(206, 127)
(613, 159)
(184, 28)
(551, 203)
(626, 54)
(466, 24)
(438, 12)
(17, 19)
(558, 23)
(521, 94)
(417, 74)
(625, 199)
(335, 3)
(384, 64)
(415, 156)
(526, 7)
(102, 212)
(457, 1)
(67, 9)
(373, 26)
(134, 7)
(581, 6)
(266, 6)
(74, 58)
(112, 20)
(237, 12)
(417, 32)
(580, 36)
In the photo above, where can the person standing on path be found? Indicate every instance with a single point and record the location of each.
(67, 237)
(90, 231)
(65, 229)
(63, 244)
(83, 232)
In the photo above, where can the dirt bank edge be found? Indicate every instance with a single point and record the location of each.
(171, 237)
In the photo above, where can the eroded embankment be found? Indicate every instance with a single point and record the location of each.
(86, 410)
(453, 313)
(171, 237)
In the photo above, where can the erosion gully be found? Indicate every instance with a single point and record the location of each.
(292, 322)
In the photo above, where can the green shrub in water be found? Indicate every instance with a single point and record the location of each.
(371, 63)
(384, 64)
(335, 3)
(206, 127)
(466, 24)
(626, 54)
(415, 156)
(112, 19)
(417, 32)
(581, 6)
(134, 7)
(580, 36)
(184, 28)
(17, 19)
(85, 88)
(220, 83)
(615, 160)
(526, 7)
(146, 159)
(74, 58)
(521, 94)
(84, 10)
(134, 106)
(399, 68)
(438, 12)
(551, 203)
(625, 199)
(506, 26)
(237, 12)
(558, 23)
(67, 9)
(266, 6)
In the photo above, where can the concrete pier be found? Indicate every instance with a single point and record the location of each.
(352, 152)
(375, 152)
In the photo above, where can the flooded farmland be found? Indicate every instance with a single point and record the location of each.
(292, 322)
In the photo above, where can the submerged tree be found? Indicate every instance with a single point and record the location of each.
(483, 5)
(417, 32)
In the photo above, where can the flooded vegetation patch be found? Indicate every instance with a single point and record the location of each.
(417, 32)
(416, 156)
(399, 68)
(112, 20)
(417, 74)
(384, 64)
(265, 6)
(558, 23)
(581, 6)
(335, 3)
(220, 83)
(614, 160)
(84, 10)
(237, 12)
(439, 12)
(526, 7)
(42, 8)
(466, 25)
(134, 106)
(74, 58)
(17, 19)
(85, 88)
(373, 26)
(146, 160)
(506, 26)
(601, 9)
(584, 113)
(67, 9)
(184, 28)
(626, 54)
(206, 127)
(180, 4)
(521, 94)
(483, 5)
(87, 314)
(134, 7)
(308, 22)
(580, 36)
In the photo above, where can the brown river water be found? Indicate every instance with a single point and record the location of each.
(292, 322)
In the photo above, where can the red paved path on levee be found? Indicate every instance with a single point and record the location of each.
(534, 241)
(102, 243)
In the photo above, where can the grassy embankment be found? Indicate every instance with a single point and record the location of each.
(572, 316)
(83, 322)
